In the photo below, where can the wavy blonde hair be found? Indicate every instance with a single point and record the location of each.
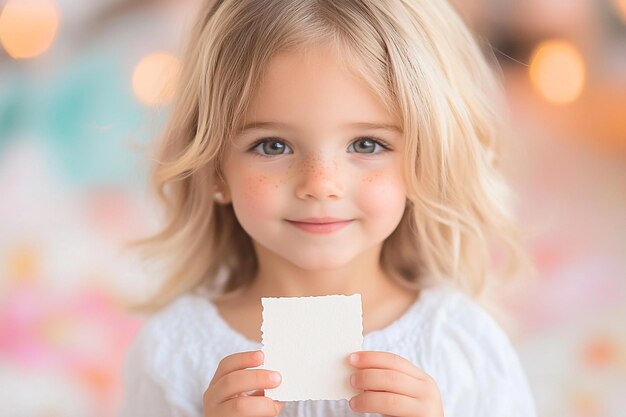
(420, 60)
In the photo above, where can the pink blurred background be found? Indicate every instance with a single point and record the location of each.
(84, 87)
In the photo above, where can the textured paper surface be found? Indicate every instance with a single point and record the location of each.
(308, 340)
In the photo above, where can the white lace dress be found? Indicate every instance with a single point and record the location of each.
(444, 333)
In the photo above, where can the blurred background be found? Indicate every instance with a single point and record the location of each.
(85, 87)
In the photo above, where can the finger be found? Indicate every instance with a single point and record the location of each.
(261, 393)
(385, 360)
(249, 407)
(387, 403)
(387, 380)
(237, 361)
(254, 393)
(257, 393)
(241, 381)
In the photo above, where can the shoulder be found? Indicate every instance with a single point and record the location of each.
(473, 360)
(160, 363)
(174, 325)
(460, 326)
(453, 312)
(181, 320)
(441, 309)
(187, 329)
(175, 344)
(447, 312)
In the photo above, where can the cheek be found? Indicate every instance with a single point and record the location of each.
(256, 195)
(382, 193)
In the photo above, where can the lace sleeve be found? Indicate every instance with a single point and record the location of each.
(478, 371)
(144, 394)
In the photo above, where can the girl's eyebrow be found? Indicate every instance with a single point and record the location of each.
(361, 125)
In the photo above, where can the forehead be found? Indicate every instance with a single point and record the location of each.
(314, 87)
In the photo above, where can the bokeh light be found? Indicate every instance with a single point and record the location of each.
(601, 351)
(155, 78)
(23, 263)
(28, 27)
(557, 71)
(77, 127)
(620, 6)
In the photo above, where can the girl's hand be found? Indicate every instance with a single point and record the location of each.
(393, 386)
(228, 391)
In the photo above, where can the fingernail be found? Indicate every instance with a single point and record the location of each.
(275, 377)
(354, 358)
(258, 356)
(352, 380)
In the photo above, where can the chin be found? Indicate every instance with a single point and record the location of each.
(313, 262)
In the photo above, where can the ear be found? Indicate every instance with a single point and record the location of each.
(220, 191)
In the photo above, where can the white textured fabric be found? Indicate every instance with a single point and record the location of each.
(445, 333)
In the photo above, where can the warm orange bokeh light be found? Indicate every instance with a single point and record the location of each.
(28, 27)
(601, 351)
(620, 5)
(557, 71)
(586, 404)
(23, 263)
(155, 78)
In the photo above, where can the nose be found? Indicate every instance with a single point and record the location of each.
(319, 179)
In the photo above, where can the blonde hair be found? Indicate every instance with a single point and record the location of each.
(420, 60)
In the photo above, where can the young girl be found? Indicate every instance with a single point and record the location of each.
(323, 147)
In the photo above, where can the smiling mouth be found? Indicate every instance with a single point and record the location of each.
(321, 228)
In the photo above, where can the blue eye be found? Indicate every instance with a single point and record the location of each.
(270, 146)
(368, 145)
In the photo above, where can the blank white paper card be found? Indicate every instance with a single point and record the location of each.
(308, 340)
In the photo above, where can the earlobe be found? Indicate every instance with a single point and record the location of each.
(220, 197)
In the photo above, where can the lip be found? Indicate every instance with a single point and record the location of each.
(319, 220)
(323, 227)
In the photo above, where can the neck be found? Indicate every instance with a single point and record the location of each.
(278, 277)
